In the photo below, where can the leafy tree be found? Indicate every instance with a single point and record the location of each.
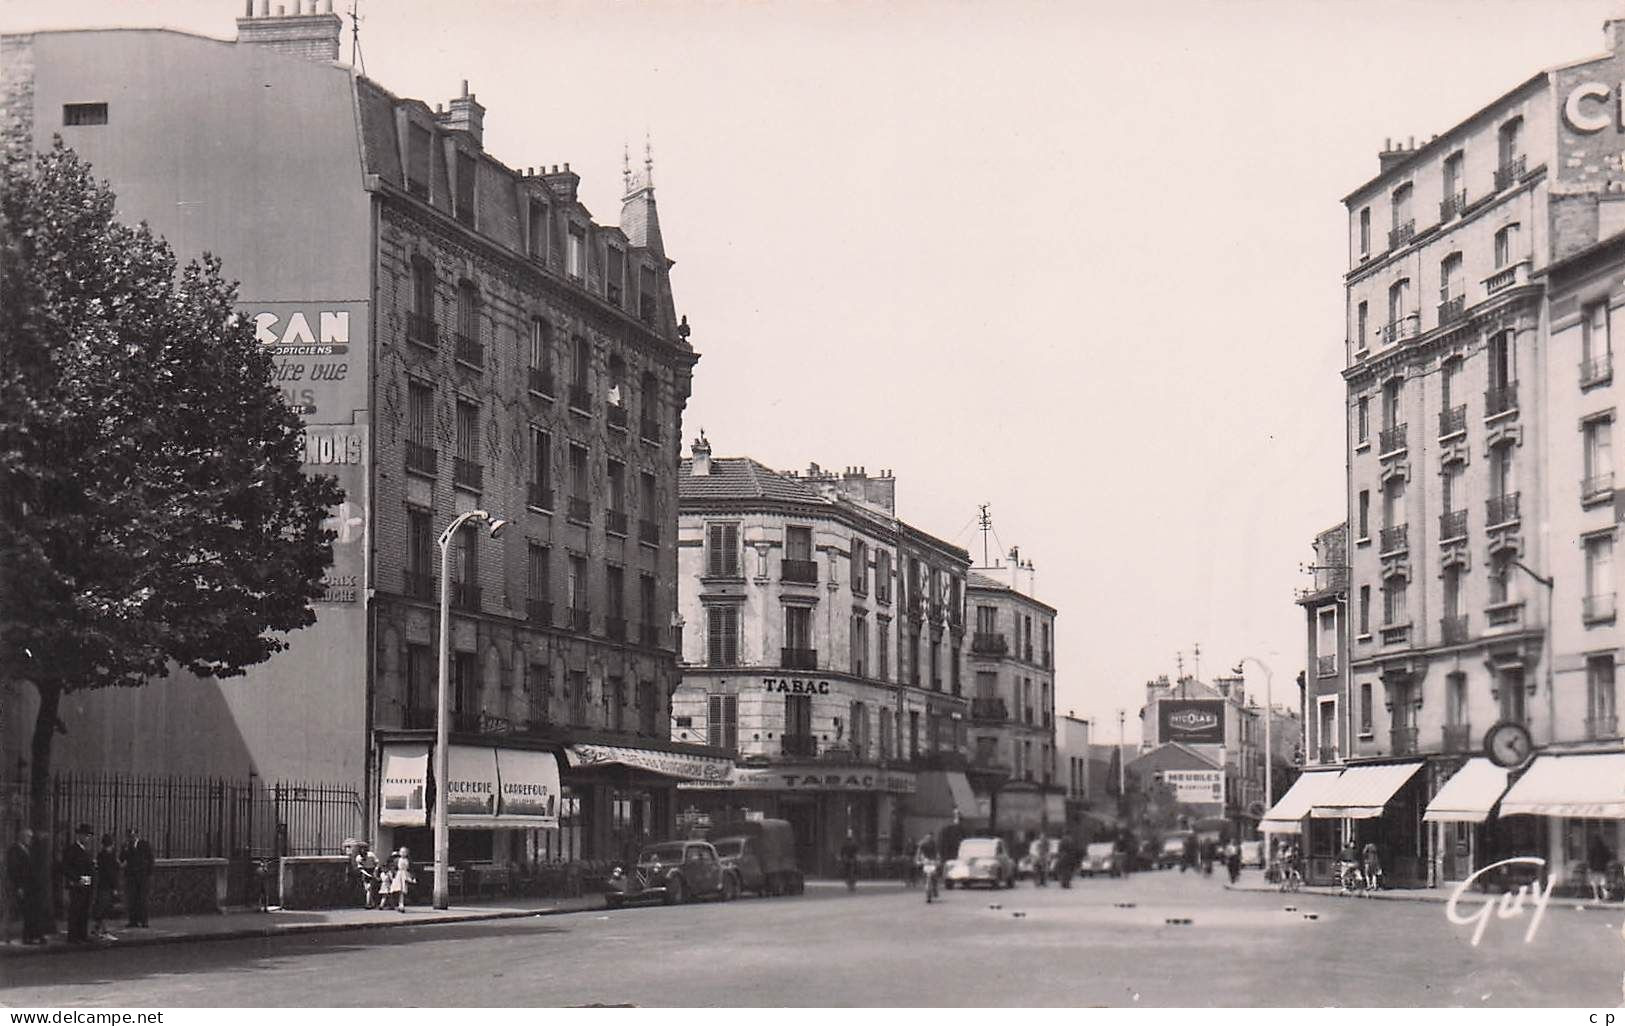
(153, 507)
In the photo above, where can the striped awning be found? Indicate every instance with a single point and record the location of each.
(1468, 796)
(1590, 785)
(1362, 791)
(1286, 817)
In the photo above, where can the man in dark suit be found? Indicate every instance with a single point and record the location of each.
(22, 886)
(136, 855)
(79, 872)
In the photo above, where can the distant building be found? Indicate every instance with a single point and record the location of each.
(1073, 765)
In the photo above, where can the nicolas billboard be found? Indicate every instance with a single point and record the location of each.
(1191, 721)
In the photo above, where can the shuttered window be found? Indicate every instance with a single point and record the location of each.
(722, 635)
(723, 558)
(722, 722)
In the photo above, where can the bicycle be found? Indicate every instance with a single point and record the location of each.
(1288, 877)
(930, 867)
(1351, 879)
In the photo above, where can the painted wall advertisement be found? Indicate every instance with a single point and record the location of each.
(341, 450)
(319, 352)
(1195, 787)
(1191, 721)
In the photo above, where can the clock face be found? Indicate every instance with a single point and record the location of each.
(1508, 744)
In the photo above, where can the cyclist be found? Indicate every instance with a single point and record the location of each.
(849, 861)
(1349, 877)
(926, 858)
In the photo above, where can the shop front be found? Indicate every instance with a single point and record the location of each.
(1381, 804)
(502, 804)
(1458, 816)
(1574, 805)
(626, 796)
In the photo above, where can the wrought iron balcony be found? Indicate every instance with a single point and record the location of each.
(1453, 421)
(465, 595)
(615, 522)
(1452, 525)
(648, 429)
(422, 329)
(615, 414)
(1596, 370)
(419, 585)
(800, 745)
(1391, 439)
(1458, 737)
(580, 510)
(1501, 509)
(988, 710)
(648, 532)
(1326, 665)
(798, 658)
(798, 571)
(470, 350)
(421, 458)
(1452, 310)
(468, 474)
(1502, 614)
(541, 381)
(1395, 539)
(1452, 205)
(1509, 172)
(1402, 740)
(1598, 608)
(615, 628)
(581, 620)
(1599, 727)
(1504, 278)
(579, 399)
(1396, 633)
(1400, 234)
(1453, 629)
(459, 721)
(539, 495)
(1395, 330)
(539, 611)
(986, 643)
(1597, 487)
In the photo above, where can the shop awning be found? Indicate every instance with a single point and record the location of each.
(942, 793)
(529, 784)
(471, 786)
(1286, 817)
(1583, 786)
(670, 764)
(964, 797)
(1468, 796)
(1362, 791)
(403, 781)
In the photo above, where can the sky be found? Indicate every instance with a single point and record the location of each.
(1081, 262)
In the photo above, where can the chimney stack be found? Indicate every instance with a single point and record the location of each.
(702, 456)
(304, 33)
(466, 115)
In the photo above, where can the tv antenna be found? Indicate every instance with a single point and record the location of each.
(356, 59)
(986, 523)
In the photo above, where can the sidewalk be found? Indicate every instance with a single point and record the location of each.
(1435, 895)
(241, 923)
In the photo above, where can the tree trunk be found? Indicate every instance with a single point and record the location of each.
(39, 767)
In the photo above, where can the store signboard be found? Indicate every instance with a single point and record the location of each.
(1196, 787)
(1191, 721)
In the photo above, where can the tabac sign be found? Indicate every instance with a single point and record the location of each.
(319, 352)
(1191, 721)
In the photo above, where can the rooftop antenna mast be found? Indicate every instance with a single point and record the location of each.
(987, 525)
(1198, 658)
(356, 59)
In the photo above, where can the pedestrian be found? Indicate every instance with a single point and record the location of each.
(1208, 853)
(107, 879)
(1039, 850)
(22, 886)
(1192, 851)
(1371, 866)
(1066, 860)
(1232, 860)
(262, 885)
(79, 873)
(370, 866)
(926, 856)
(401, 877)
(1597, 859)
(849, 861)
(136, 855)
(911, 872)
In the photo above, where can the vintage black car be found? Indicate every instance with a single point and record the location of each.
(672, 872)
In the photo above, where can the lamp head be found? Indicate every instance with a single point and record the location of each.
(498, 525)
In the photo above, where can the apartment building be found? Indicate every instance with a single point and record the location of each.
(458, 334)
(1326, 611)
(823, 645)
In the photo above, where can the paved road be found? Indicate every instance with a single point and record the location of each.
(885, 946)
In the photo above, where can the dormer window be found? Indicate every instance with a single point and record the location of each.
(614, 273)
(575, 263)
(536, 239)
(419, 142)
(466, 169)
(646, 294)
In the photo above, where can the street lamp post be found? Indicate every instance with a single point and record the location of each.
(442, 760)
(1269, 679)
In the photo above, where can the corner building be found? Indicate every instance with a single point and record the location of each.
(823, 646)
(458, 334)
(1481, 500)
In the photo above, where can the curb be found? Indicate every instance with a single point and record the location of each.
(250, 933)
(1423, 899)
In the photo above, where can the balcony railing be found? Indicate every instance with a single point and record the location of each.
(1452, 205)
(581, 620)
(421, 459)
(800, 745)
(615, 522)
(1452, 310)
(1400, 234)
(615, 414)
(1402, 740)
(989, 710)
(1391, 439)
(1396, 633)
(615, 628)
(799, 571)
(1502, 509)
(648, 429)
(1453, 421)
(1504, 278)
(470, 350)
(798, 658)
(580, 510)
(465, 595)
(1395, 539)
(422, 329)
(648, 532)
(1458, 737)
(538, 495)
(1597, 487)
(1597, 608)
(579, 399)
(419, 586)
(1326, 666)
(468, 474)
(1453, 525)
(539, 611)
(1402, 328)
(1327, 753)
(1502, 614)
(1509, 172)
(1453, 629)
(982, 643)
(1596, 370)
(541, 381)
(1599, 727)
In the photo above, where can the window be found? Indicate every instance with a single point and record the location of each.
(1449, 477)
(420, 323)
(581, 362)
(420, 448)
(913, 734)
(1447, 381)
(882, 575)
(1503, 353)
(579, 698)
(647, 603)
(1393, 601)
(1599, 575)
(538, 574)
(536, 238)
(575, 585)
(466, 169)
(1365, 609)
(859, 716)
(422, 682)
(541, 469)
(1512, 693)
(648, 496)
(722, 550)
(1450, 279)
(646, 295)
(1455, 699)
(617, 486)
(798, 718)
(579, 483)
(1509, 142)
(575, 263)
(418, 144)
(798, 628)
(1362, 315)
(76, 114)
(1393, 393)
(1402, 209)
(987, 685)
(1598, 436)
(1452, 199)
(1601, 707)
(1393, 503)
(1362, 418)
(1506, 245)
(1365, 231)
(1451, 579)
(1327, 647)
(615, 592)
(859, 567)
(859, 644)
(648, 709)
(1503, 579)
(798, 543)
(883, 648)
(1596, 341)
(1501, 475)
(722, 722)
(1398, 308)
(614, 273)
(465, 683)
(468, 444)
(1365, 709)
(649, 389)
(616, 396)
(466, 563)
(722, 635)
(541, 345)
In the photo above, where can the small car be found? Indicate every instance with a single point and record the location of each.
(1172, 852)
(672, 872)
(1101, 857)
(981, 860)
(1252, 853)
(760, 872)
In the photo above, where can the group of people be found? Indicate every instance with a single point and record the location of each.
(1359, 870)
(97, 877)
(1207, 853)
(380, 881)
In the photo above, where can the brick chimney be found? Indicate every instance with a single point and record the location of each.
(702, 456)
(1613, 31)
(304, 33)
(465, 115)
(1395, 152)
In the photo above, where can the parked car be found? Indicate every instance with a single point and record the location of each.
(1252, 853)
(672, 872)
(981, 860)
(1172, 852)
(1102, 857)
(763, 854)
